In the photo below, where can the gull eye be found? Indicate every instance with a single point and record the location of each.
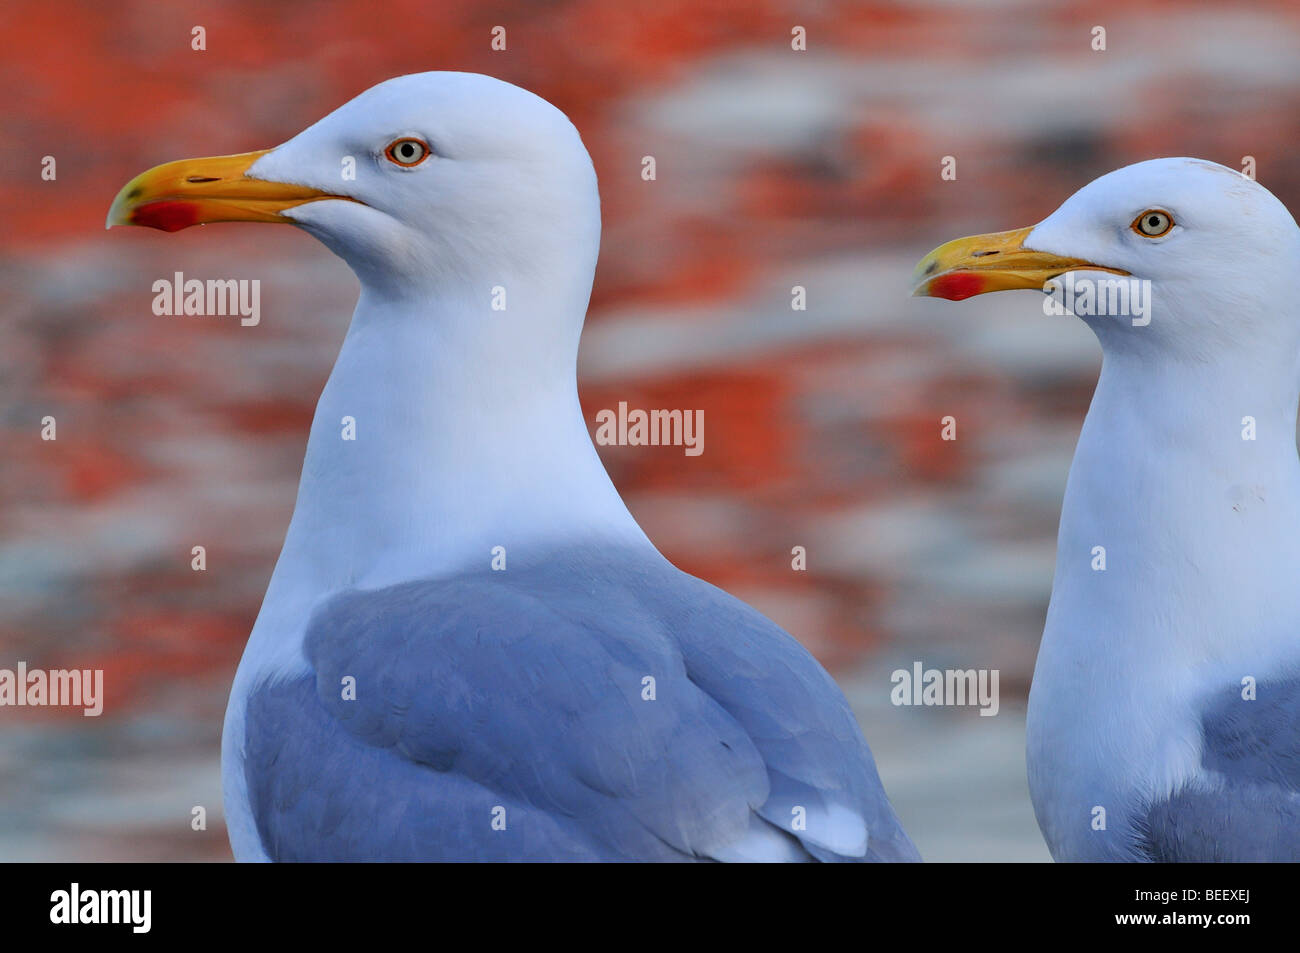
(408, 152)
(1153, 223)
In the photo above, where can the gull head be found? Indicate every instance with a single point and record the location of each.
(1203, 257)
(421, 180)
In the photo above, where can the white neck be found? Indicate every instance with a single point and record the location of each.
(1163, 479)
(1197, 525)
(468, 436)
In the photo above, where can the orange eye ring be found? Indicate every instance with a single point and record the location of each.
(1153, 223)
(408, 152)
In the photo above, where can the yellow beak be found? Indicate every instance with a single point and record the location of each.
(999, 262)
(195, 191)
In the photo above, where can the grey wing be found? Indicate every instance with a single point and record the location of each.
(1248, 806)
(496, 720)
(820, 769)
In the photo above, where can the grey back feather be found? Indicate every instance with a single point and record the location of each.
(1248, 808)
(506, 716)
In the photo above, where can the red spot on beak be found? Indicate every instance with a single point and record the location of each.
(170, 216)
(956, 286)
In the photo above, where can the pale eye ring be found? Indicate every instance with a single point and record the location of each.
(1153, 223)
(408, 151)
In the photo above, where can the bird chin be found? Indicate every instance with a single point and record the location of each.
(341, 212)
(342, 225)
(372, 243)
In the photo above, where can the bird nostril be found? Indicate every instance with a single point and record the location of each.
(196, 179)
(981, 254)
(929, 269)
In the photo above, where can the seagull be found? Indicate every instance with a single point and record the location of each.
(1164, 715)
(469, 650)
